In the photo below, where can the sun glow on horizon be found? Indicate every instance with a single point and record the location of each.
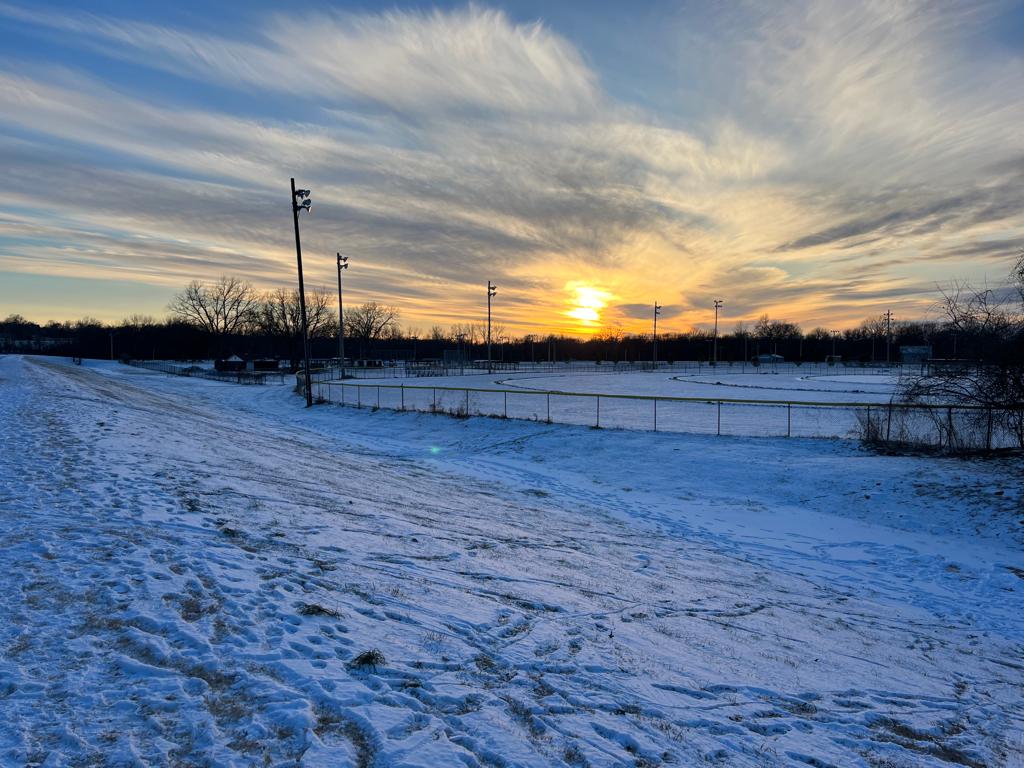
(586, 302)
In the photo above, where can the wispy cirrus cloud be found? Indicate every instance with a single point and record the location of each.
(469, 60)
(446, 148)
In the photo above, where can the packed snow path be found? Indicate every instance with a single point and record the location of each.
(189, 572)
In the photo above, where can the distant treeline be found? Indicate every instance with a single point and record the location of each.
(228, 317)
(171, 339)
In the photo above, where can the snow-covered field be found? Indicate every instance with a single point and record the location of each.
(755, 403)
(191, 571)
(789, 383)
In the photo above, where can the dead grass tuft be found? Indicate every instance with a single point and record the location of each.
(370, 659)
(315, 609)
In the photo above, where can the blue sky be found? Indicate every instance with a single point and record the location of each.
(818, 161)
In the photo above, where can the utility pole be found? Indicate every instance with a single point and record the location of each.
(657, 311)
(305, 205)
(888, 336)
(491, 290)
(718, 304)
(342, 264)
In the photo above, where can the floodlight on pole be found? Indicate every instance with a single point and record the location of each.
(657, 311)
(718, 305)
(302, 202)
(491, 291)
(888, 337)
(342, 264)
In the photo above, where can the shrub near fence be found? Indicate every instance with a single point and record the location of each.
(950, 427)
(953, 429)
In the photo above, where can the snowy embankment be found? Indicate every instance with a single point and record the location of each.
(192, 572)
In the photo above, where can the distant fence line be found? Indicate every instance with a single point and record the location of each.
(197, 372)
(420, 370)
(410, 369)
(944, 426)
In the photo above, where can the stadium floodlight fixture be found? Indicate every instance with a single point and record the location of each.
(718, 305)
(492, 290)
(342, 264)
(303, 195)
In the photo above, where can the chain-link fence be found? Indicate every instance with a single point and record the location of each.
(933, 425)
(198, 372)
(435, 369)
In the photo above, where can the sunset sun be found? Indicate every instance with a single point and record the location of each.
(586, 303)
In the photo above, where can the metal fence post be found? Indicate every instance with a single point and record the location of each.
(359, 396)
(598, 422)
(378, 397)
(505, 393)
(655, 414)
(402, 386)
(988, 432)
(789, 419)
(433, 395)
(549, 407)
(467, 402)
(719, 432)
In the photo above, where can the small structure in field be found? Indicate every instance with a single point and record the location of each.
(231, 364)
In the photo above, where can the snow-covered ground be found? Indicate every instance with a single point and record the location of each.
(791, 383)
(789, 401)
(191, 570)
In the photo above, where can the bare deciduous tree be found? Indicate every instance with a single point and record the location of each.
(370, 322)
(223, 307)
(774, 331)
(467, 331)
(992, 383)
(138, 322)
(1017, 275)
(280, 314)
(982, 313)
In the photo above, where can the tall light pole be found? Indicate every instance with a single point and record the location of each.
(888, 336)
(718, 304)
(305, 205)
(657, 311)
(342, 264)
(491, 290)
(835, 335)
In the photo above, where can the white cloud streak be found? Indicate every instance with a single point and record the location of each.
(447, 148)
